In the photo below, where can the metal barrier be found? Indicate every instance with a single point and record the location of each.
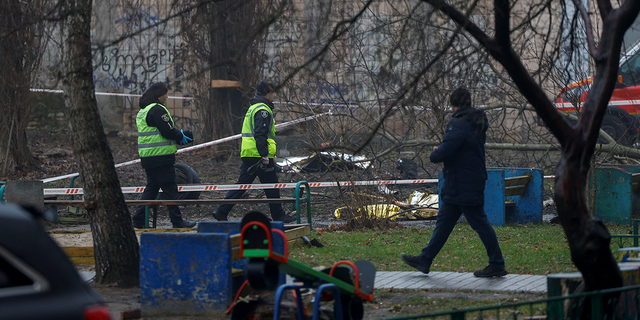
(619, 241)
(623, 301)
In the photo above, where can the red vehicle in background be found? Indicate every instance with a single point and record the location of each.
(621, 121)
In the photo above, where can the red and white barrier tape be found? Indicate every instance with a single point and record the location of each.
(200, 146)
(112, 94)
(227, 187)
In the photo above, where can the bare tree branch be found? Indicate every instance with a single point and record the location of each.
(588, 25)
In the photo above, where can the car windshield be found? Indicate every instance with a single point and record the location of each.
(630, 70)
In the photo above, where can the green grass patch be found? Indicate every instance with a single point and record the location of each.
(528, 249)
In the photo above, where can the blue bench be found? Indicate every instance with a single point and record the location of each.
(511, 195)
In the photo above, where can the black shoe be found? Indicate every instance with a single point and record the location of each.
(285, 218)
(490, 272)
(220, 216)
(138, 225)
(185, 224)
(416, 262)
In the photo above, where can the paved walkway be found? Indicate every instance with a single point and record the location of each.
(459, 281)
(443, 280)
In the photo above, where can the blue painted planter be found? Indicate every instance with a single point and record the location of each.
(190, 274)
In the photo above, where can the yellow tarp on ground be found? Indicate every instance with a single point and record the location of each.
(373, 211)
(427, 203)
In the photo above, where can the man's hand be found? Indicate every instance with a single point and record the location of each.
(265, 160)
(185, 140)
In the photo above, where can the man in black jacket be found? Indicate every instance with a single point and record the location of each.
(465, 175)
(157, 146)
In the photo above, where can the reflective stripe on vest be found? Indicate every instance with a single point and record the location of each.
(249, 148)
(150, 141)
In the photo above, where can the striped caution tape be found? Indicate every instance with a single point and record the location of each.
(200, 146)
(111, 94)
(227, 187)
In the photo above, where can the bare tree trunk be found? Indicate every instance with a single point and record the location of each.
(229, 35)
(19, 56)
(221, 106)
(226, 34)
(115, 244)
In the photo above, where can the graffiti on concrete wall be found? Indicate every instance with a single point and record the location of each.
(327, 92)
(148, 56)
(139, 18)
(116, 69)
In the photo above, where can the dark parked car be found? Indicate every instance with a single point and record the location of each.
(37, 280)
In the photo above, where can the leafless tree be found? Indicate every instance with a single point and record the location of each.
(20, 54)
(115, 244)
(225, 41)
(588, 237)
(450, 58)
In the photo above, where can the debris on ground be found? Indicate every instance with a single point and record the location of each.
(325, 161)
(420, 205)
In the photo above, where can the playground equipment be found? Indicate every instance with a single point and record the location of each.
(195, 274)
(612, 192)
(349, 283)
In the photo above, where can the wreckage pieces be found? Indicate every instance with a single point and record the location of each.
(323, 162)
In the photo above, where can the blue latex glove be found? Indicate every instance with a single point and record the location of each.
(185, 140)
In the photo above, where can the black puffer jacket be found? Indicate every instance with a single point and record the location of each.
(462, 151)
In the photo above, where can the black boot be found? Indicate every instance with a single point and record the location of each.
(416, 262)
(490, 272)
(185, 224)
(285, 218)
(220, 216)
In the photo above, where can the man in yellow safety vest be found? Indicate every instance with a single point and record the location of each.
(158, 141)
(257, 152)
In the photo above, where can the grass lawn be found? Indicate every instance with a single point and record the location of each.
(528, 249)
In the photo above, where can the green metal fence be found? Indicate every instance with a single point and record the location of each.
(617, 303)
(625, 240)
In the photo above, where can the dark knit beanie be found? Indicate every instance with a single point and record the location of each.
(156, 90)
(264, 88)
(152, 94)
(460, 98)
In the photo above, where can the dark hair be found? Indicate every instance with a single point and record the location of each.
(460, 98)
(264, 88)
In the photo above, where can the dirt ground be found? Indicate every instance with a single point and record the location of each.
(387, 303)
(55, 157)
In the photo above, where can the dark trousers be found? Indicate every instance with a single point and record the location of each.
(266, 176)
(448, 216)
(160, 178)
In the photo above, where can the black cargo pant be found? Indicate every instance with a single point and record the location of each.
(267, 175)
(160, 178)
